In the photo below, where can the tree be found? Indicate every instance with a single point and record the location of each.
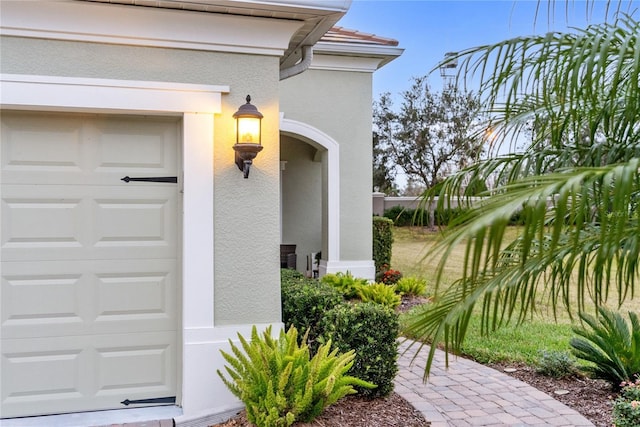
(576, 182)
(383, 170)
(433, 134)
(413, 188)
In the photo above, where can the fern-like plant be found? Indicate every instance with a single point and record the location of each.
(610, 344)
(411, 286)
(380, 293)
(345, 283)
(278, 381)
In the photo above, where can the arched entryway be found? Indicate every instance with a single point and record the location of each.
(310, 193)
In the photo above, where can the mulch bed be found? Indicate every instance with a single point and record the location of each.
(591, 398)
(352, 411)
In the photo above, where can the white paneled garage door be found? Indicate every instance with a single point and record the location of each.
(89, 263)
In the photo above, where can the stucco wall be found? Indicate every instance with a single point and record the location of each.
(339, 103)
(246, 222)
(247, 211)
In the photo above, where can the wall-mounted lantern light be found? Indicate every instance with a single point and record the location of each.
(248, 135)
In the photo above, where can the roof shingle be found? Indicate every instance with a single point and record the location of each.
(345, 35)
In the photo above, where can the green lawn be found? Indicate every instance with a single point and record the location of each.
(512, 343)
(522, 343)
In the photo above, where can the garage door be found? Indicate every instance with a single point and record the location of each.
(89, 262)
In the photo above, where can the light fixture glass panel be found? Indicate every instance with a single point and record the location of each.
(248, 130)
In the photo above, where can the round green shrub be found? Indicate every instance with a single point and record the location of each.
(371, 330)
(304, 303)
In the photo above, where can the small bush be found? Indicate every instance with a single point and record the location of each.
(390, 276)
(371, 331)
(411, 286)
(517, 218)
(445, 216)
(626, 408)
(380, 293)
(304, 303)
(556, 364)
(404, 217)
(382, 241)
(346, 284)
(288, 274)
(278, 381)
(610, 345)
(407, 217)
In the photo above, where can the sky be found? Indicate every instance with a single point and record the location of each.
(427, 29)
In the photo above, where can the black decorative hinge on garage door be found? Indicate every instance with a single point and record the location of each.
(154, 401)
(173, 179)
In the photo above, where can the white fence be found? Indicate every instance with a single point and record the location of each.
(381, 203)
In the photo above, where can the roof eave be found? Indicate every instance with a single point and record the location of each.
(385, 53)
(317, 16)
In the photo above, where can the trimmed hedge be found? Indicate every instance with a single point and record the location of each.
(372, 331)
(406, 217)
(382, 241)
(368, 328)
(304, 303)
(288, 274)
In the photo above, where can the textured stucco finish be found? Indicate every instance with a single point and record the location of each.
(246, 226)
(339, 103)
(106, 61)
(247, 211)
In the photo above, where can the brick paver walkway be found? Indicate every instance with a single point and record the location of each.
(470, 394)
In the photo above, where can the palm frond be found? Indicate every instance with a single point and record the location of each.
(575, 181)
(575, 220)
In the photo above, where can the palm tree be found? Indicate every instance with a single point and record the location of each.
(576, 181)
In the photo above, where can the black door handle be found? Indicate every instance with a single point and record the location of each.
(173, 179)
(157, 401)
